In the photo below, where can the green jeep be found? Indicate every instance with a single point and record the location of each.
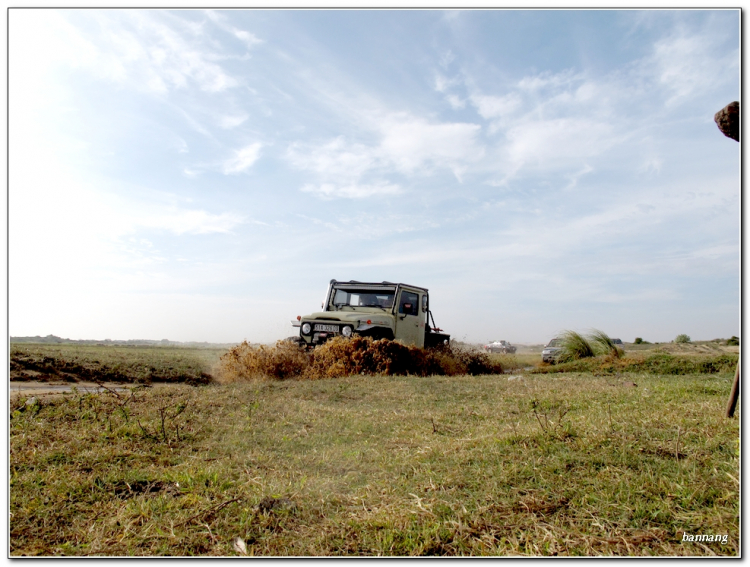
(383, 310)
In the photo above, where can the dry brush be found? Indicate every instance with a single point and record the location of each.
(342, 357)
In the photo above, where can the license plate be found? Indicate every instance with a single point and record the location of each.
(326, 328)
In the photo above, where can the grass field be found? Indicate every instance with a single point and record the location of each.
(139, 364)
(522, 464)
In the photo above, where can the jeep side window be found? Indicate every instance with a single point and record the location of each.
(409, 303)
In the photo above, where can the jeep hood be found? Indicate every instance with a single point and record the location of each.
(382, 318)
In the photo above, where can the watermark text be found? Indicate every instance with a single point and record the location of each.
(704, 537)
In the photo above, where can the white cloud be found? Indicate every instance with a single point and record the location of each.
(455, 101)
(490, 106)
(407, 145)
(249, 39)
(685, 63)
(412, 143)
(447, 58)
(652, 165)
(387, 223)
(548, 79)
(443, 83)
(142, 50)
(191, 222)
(330, 191)
(229, 122)
(645, 208)
(574, 177)
(334, 159)
(243, 159)
(48, 38)
(552, 122)
(558, 143)
(319, 222)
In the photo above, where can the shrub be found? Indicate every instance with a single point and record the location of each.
(637, 341)
(734, 341)
(341, 357)
(244, 362)
(344, 357)
(682, 339)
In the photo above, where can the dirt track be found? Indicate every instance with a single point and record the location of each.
(35, 388)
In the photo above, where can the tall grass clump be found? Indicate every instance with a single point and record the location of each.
(602, 342)
(341, 357)
(574, 347)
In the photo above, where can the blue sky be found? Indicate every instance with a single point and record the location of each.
(201, 175)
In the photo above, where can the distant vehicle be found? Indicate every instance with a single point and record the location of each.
(616, 341)
(552, 350)
(500, 346)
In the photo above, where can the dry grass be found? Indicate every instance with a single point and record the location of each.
(346, 357)
(539, 465)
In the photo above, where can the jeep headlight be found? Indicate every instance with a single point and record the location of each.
(306, 328)
(346, 331)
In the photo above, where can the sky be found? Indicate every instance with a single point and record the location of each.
(201, 175)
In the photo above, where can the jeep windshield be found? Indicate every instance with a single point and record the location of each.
(356, 298)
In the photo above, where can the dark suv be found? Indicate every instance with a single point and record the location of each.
(552, 350)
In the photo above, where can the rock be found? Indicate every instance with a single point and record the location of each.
(728, 120)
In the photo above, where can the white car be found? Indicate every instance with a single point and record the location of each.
(500, 346)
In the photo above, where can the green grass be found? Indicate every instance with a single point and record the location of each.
(563, 464)
(654, 363)
(574, 347)
(516, 362)
(142, 364)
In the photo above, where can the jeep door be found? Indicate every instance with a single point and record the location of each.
(410, 319)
